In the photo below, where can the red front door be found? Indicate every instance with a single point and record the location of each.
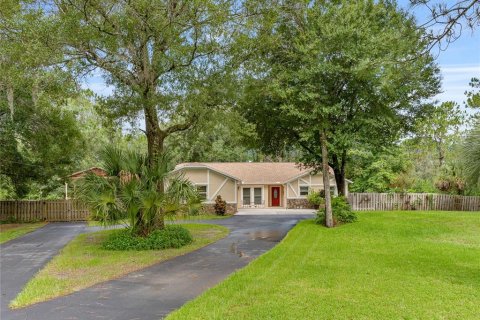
(275, 196)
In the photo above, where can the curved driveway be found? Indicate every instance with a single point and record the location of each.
(150, 293)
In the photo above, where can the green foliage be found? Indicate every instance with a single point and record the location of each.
(471, 155)
(473, 96)
(223, 135)
(438, 127)
(342, 213)
(172, 236)
(40, 138)
(330, 66)
(135, 189)
(220, 206)
(162, 72)
(41, 141)
(380, 171)
(315, 198)
(7, 189)
(194, 205)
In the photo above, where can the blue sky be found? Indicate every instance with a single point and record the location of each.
(458, 63)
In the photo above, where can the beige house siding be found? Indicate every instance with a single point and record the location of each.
(231, 189)
(196, 176)
(221, 185)
(217, 184)
(314, 182)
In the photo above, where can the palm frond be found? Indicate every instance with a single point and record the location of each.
(132, 190)
(112, 159)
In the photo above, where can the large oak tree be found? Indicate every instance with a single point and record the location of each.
(158, 55)
(330, 75)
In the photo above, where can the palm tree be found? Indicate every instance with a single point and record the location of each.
(471, 154)
(134, 190)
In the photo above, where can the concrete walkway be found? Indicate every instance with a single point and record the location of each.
(22, 257)
(270, 211)
(154, 292)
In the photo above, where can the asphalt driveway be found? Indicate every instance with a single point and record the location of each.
(22, 257)
(154, 292)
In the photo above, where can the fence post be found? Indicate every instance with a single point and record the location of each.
(44, 211)
(409, 201)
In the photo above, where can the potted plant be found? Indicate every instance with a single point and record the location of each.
(315, 199)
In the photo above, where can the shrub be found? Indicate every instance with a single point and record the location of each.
(315, 199)
(170, 237)
(194, 205)
(342, 213)
(194, 210)
(220, 206)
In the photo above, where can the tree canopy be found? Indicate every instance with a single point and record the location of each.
(342, 68)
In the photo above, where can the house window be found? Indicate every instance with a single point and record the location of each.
(246, 196)
(304, 190)
(202, 191)
(257, 195)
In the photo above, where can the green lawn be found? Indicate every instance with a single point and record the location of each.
(11, 231)
(388, 265)
(83, 263)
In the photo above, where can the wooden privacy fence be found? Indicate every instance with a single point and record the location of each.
(42, 210)
(413, 201)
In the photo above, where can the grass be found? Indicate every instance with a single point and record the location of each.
(388, 265)
(203, 216)
(9, 231)
(83, 263)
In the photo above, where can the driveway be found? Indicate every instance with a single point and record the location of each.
(154, 292)
(22, 257)
(282, 211)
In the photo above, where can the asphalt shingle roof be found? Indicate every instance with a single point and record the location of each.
(253, 172)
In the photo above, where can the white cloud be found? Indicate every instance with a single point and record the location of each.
(455, 81)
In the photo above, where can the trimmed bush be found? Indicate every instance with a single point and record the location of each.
(171, 237)
(220, 206)
(342, 213)
(315, 199)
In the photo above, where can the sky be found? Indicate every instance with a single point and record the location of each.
(458, 63)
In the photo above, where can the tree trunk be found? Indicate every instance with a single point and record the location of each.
(339, 171)
(441, 154)
(326, 180)
(155, 147)
(155, 137)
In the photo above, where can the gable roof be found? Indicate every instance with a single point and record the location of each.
(253, 172)
(95, 170)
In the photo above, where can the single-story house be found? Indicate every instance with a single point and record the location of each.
(254, 184)
(80, 174)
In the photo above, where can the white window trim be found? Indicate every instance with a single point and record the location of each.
(252, 193)
(242, 193)
(302, 183)
(299, 190)
(206, 195)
